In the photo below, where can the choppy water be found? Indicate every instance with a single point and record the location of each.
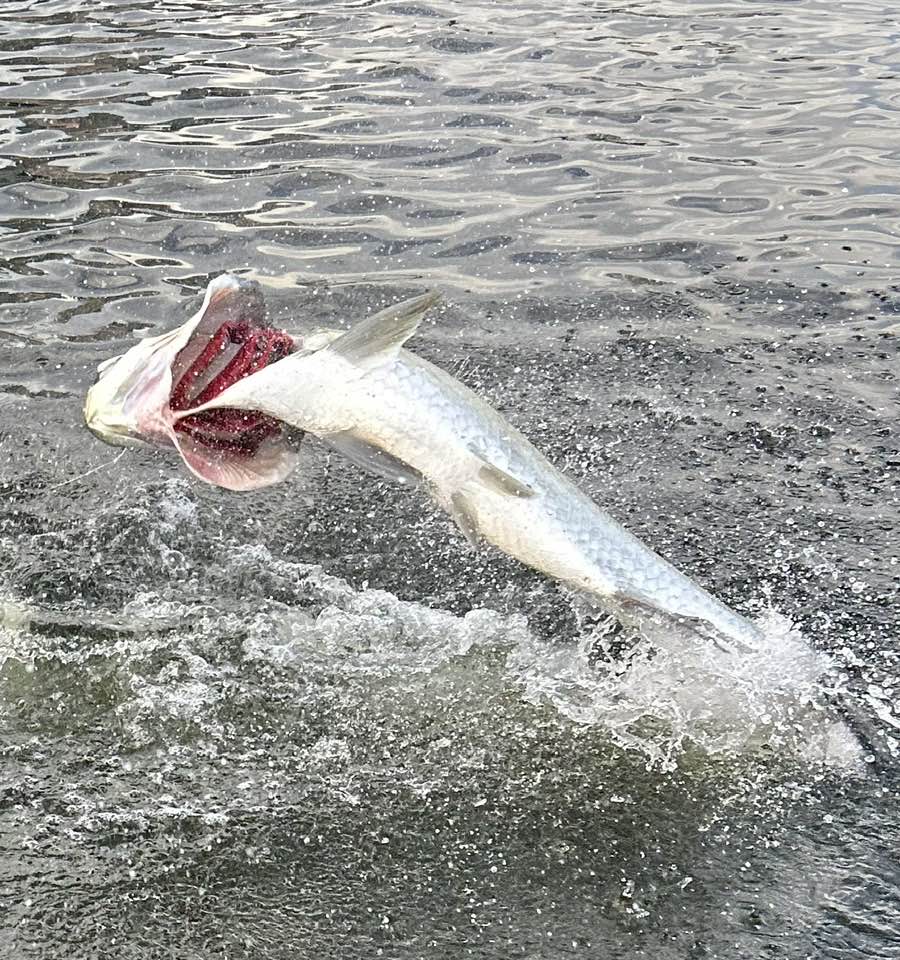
(309, 722)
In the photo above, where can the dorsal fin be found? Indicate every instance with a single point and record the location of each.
(377, 339)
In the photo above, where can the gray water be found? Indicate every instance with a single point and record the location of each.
(310, 722)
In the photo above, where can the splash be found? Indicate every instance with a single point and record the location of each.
(190, 661)
(665, 699)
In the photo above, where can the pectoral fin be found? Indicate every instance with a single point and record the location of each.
(377, 339)
(371, 458)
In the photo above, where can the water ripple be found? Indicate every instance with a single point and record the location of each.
(652, 131)
(669, 237)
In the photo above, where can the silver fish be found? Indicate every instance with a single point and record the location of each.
(231, 394)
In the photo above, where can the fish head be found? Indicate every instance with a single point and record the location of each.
(149, 395)
(127, 404)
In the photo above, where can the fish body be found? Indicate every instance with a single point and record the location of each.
(221, 391)
(397, 414)
(232, 395)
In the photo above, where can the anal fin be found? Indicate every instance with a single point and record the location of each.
(499, 480)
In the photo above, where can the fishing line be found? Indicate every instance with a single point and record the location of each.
(87, 473)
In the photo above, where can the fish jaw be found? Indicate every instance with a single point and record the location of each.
(126, 404)
(151, 394)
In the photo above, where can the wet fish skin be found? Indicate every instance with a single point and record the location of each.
(366, 395)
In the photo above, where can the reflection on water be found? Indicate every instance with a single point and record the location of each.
(667, 233)
(492, 147)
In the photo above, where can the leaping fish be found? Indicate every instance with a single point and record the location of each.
(231, 394)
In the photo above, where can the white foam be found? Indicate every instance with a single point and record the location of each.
(666, 698)
(662, 700)
(669, 696)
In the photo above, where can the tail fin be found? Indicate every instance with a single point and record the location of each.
(880, 747)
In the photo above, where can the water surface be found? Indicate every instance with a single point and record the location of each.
(311, 722)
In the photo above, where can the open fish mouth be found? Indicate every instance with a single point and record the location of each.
(152, 393)
(235, 448)
(207, 366)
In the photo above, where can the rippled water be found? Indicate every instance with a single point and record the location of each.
(309, 722)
